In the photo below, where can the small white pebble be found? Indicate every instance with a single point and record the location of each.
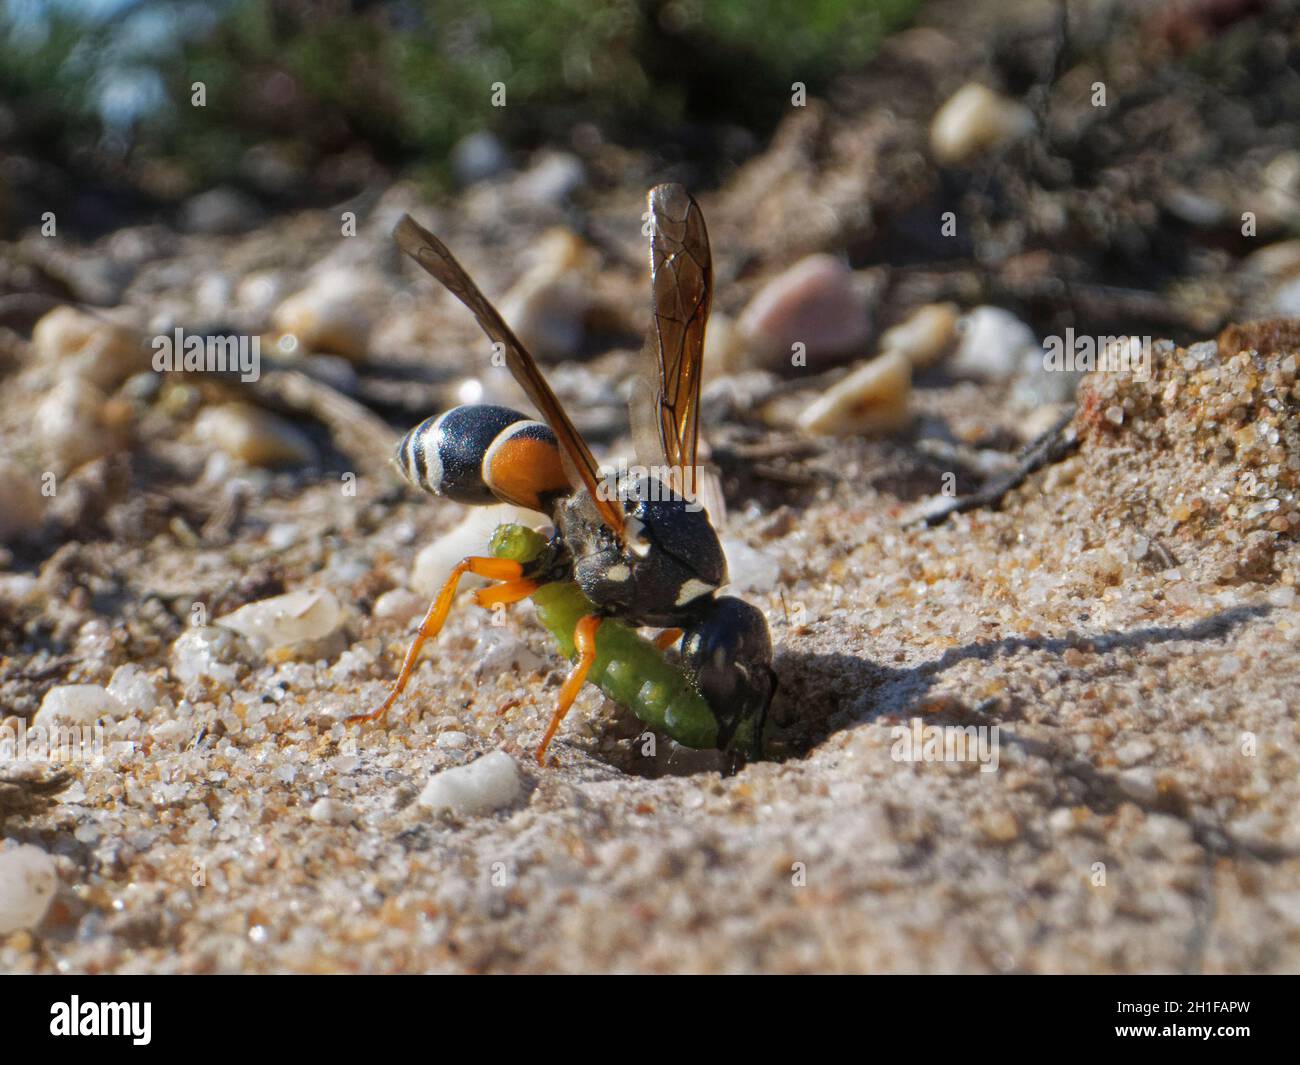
(1139, 784)
(470, 537)
(81, 704)
(549, 304)
(499, 652)
(1061, 820)
(69, 423)
(399, 604)
(1134, 751)
(172, 730)
(254, 436)
(207, 651)
(453, 740)
(1282, 595)
(330, 812)
(874, 398)
(307, 614)
(78, 344)
(994, 345)
(282, 535)
(925, 336)
(135, 689)
(484, 785)
(352, 662)
(330, 317)
(27, 882)
(975, 119)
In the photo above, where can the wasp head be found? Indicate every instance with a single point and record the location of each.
(728, 655)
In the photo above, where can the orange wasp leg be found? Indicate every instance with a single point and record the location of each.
(497, 569)
(667, 638)
(584, 639)
(510, 592)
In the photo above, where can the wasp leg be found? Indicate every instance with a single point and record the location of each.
(499, 569)
(584, 638)
(667, 638)
(510, 592)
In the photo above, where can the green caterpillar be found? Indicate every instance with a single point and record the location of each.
(628, 668)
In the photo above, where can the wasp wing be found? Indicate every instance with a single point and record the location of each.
(681, 281)
(433, 255)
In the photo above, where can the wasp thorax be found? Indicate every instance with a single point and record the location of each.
(667, 567)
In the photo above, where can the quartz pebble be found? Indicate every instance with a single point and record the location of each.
(1286, 299)
(486, 784)
(1275, 260)
(73, 424)
(283, 620)
(817, 302)
(399, 605)
(995, 345)
(973, 120)
(27, 883)
(254, 436)
(872, 399)
(208, 651)
(924, 336)
(80, 704)
(1282, 595)
(330, 317)
(329, 811)
(434, 562)
(136, 690)
(87, 346)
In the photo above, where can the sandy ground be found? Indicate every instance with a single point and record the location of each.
(1139, 817)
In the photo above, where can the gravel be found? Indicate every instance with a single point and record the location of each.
(1140, 816)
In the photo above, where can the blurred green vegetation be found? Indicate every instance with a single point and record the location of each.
(110, 83)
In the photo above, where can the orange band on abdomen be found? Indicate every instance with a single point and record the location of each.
(523, 467)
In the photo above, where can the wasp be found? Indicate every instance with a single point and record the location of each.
(627, 551)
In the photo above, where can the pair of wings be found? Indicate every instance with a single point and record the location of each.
(681, 280)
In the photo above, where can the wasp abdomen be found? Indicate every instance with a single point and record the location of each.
(480, 454)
